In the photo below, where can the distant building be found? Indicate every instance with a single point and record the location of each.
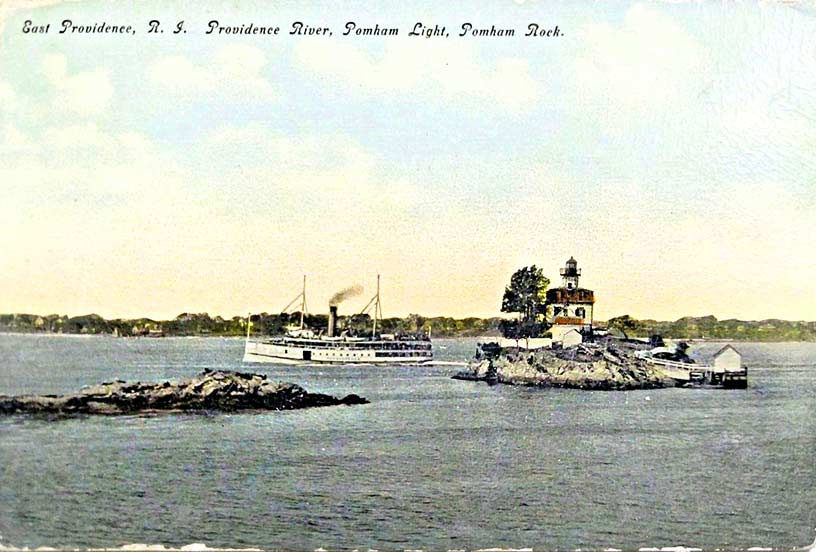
(572, 306)
(728, 359)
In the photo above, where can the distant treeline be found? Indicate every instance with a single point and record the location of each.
(190, 324)
(708, 327)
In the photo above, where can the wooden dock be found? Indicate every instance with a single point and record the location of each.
(727, 370)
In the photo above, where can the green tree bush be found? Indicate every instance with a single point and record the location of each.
(527, 296)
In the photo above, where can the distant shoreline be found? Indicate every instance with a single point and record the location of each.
(242, 337)
(698, 329)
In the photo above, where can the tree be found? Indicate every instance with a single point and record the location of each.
(520, 329)
(623, 323)
(415, 322)
(527, 296)
(510, 329)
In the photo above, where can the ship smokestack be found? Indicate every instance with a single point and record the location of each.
(336, 299)
(332, 320)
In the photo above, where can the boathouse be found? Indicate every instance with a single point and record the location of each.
(728, 359)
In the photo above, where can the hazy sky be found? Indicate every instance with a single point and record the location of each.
(671, 148)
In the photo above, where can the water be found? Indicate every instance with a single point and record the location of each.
(431, 463)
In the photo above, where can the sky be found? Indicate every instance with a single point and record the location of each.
(668, 147)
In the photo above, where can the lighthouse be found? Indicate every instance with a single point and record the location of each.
(571, 306)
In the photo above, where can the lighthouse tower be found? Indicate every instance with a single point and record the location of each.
(570, 274)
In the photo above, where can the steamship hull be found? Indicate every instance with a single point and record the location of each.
(287, 350)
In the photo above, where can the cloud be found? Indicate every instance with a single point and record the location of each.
(87, 141)
(233, 71)
(757, 137)
(81, 156)
(256, 145)
(14, 141)
(85, 93)
(177, 73)
(647, 61)
(328, 173)
(454, 74)
(82, 161)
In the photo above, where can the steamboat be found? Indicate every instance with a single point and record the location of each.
(305, 345)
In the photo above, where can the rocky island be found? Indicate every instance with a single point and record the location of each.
(218, 390)
(605, 364)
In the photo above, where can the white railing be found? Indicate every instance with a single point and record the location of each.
(679, 365)
(687, 367)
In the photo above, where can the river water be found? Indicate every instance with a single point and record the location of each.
(431, 463)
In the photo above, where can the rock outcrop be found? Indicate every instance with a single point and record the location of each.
(208, 391)
(593, 366)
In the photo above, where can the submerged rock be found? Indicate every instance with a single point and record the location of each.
(604, 365)
(210, 390)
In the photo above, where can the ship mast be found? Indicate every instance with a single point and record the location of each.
(375, 305)
(377, 308)
(302, 297)
(303, 303)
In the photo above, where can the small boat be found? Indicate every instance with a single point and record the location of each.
(305, 345)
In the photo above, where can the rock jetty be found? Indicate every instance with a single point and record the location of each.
(208, 391)
(603, 365)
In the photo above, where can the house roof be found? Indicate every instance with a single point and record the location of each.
(724, 349)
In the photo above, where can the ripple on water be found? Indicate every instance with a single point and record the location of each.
(430, 463)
